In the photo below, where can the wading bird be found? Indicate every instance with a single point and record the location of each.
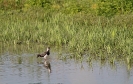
(45, 54)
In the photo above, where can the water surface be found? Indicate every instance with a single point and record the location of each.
(24, 68)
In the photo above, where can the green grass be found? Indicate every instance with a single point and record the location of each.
(81, 33)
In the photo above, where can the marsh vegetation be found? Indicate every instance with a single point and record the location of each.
(97, 28)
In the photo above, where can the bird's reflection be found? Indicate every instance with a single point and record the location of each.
(47, 65)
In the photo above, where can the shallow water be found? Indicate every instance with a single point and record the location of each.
(25, 68)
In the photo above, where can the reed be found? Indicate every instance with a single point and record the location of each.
(80, 33)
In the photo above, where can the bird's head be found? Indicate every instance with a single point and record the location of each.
(48, 48)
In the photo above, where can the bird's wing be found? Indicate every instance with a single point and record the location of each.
(43, 54)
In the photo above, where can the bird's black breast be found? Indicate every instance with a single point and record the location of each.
(48, 53)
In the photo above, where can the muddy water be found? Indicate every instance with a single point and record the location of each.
(24, 68)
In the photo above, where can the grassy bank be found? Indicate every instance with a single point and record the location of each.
(100, 36)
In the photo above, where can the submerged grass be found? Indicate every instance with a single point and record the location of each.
(100, 36)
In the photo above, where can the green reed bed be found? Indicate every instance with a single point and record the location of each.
(105, 38)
